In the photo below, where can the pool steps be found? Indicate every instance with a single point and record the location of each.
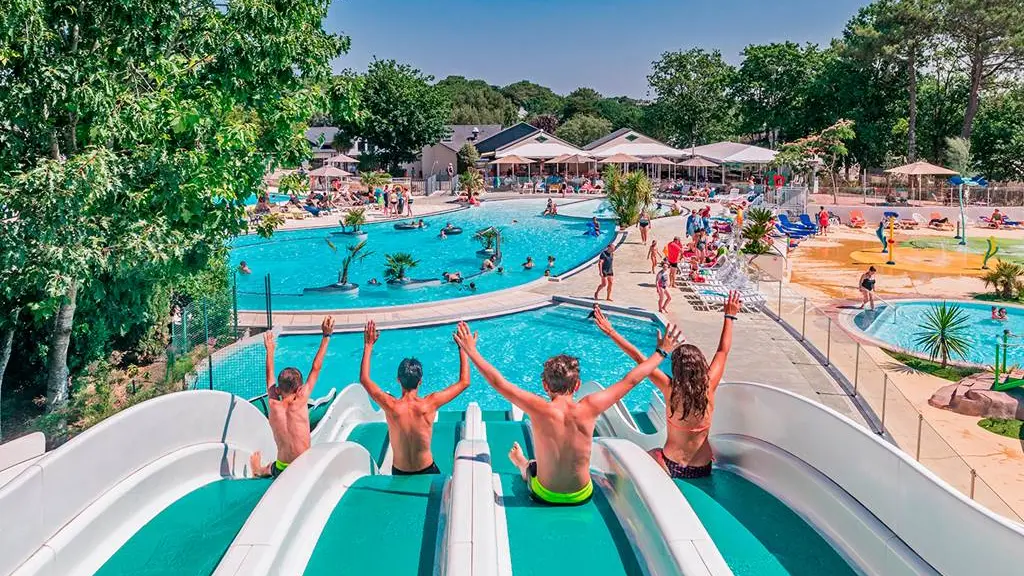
(883, 512)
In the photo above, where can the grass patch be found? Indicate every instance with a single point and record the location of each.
(1009, 428)
(951, 373)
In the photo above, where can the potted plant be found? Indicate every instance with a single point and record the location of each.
(489, 239)
(472, 182)
(356, 253)
(354, 219)
(396, 266)
(629, 195)
(757, 228)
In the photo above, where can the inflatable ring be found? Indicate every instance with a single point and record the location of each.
(453, 231)
(409, 226)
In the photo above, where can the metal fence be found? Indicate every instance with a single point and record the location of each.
(864, 380)
(993, 195)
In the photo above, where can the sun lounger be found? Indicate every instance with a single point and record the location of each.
(857, 219)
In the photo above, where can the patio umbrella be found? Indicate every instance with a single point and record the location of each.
(341, 159)
(576, 159)
(698, 162)
(919, 169)
(329, 172)
(659, 161)
(624, 159)
(513, 160)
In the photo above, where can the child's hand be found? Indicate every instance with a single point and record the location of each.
(602, 323)
(733, 304)
(370, 334)
(327, 327)
(672, 339)
(268, 340)
(465, 339)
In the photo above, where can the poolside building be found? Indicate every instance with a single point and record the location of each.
(632, 143)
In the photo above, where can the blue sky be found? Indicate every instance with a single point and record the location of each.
(605, 44)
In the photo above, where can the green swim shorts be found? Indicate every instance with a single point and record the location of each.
(544, 496)
(277, 468)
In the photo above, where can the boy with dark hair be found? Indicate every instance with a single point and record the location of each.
(288, 411)
(410, 418)
(563, 429)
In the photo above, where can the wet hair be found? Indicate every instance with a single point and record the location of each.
(561, 374)
(689, 383)
(410, 373)
(289, 380)
(872, 269)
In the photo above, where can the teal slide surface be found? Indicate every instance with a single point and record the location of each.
(374, 437)
(544, 540)
(382, 525)
(190, 536)
(755, 532)
(643, 422)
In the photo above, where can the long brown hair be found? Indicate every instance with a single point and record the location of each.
(689, 382)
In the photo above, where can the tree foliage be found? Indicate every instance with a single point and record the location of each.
(826, 148)
(545, 122)
(943, 332)
(534, 98)
(476, 102)
(581, 101)
(583, 129)
(467, 157)
(694, 102)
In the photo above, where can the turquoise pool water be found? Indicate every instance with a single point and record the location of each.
(900, 324)
(517, 344)
(599, 207)
(272, 198)
(302, 259)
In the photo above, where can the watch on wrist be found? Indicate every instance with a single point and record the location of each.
(730, 316)
(658, 350)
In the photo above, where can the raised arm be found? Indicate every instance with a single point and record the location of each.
(268, 344)
(717, 368)
(659, 378)
(442, 397)
(382, 398)
(326, 328)
(526, 401)
(605, 399)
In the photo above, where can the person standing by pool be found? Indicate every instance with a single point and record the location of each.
(287, 406)
(652, 255)
(562, 429)
(661, 284)
(692, 223)
(823, 221)
(643, 224)
(401, 201)
(410, 418)
(673, 252)
(689, 395)
(606, 270)
(867, 288)
(408, 202)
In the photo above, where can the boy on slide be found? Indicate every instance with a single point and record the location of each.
(288, 411)
(410, 418)
(562, 428)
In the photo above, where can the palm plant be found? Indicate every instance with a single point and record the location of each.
(1006, 278)
(757, 228)
(355, 254)
(355, 218)
(396, 265)
(629, 195)
(941, 334)
(472, 181)
(488, 238)
(374, 179)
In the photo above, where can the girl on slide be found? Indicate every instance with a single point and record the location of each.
(689, 396)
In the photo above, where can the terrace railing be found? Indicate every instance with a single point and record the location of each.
(891, 414)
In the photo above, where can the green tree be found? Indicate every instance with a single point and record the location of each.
(958, 155)
(694, 100)
(375, 179)
(622, 112)
(143, 126)
(472, 182)
(757, 227)
(533, 98)
(401, 112)
(1006, 278)
(477, 102)
(988, 37)
(397, 265)
(467, 157)
(581, 101)
(900, 32)
(943, 332)
(545, 122)
(771, 86)
(826, 148)
(998, 139)
(582, 130)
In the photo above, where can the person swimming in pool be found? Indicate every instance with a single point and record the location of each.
(243, 268)
(995, 313)
(373, 282)
(563, 429)
(867, 288)
(528, 265)
(689, 395)
(410, 417)
(551, 261)
(288, 410)
(1003, 315)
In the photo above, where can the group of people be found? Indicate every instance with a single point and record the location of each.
(1000, 314)
(391, 200)
(562, 426)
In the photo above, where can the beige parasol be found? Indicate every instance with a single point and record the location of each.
(922, 168)
(341, 159)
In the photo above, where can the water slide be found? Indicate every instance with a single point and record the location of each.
(801, 489)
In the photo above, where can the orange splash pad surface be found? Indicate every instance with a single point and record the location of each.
(927, 261)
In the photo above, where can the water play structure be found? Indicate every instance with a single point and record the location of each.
(1003, 378)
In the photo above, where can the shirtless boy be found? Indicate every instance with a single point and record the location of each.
(288, 411)
(410, 418)
(562, 428)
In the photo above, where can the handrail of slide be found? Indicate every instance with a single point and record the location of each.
(296, 507)
(19, 454)
(774, 437)
(470, 542)
(351, 406)
(662, 525)
(117, 470)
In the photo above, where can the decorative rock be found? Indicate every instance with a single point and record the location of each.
(973, 396)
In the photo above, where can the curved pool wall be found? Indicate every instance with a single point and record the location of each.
(301, 259)
(600, 208)
(896, 326)
(517, 344)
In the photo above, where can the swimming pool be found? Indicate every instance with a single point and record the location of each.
(600, 208)
(301, 259)
(899, 324)
(272, 198)
(517, 344)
